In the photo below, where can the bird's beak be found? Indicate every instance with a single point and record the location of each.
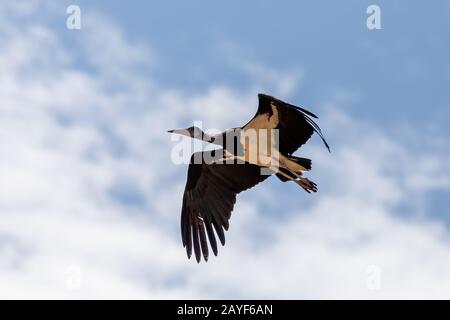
(183, 132)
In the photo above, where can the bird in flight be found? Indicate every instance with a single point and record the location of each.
(248, 155)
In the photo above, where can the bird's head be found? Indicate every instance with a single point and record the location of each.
(192, 132)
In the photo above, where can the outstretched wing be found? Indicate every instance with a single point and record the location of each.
(295, 124)
(209, 198)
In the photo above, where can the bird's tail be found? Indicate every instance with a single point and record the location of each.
(305, 163)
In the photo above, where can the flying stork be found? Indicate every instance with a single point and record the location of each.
(215, 177)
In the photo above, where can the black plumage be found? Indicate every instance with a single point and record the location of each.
(295, 123)
(208, 201)
(212, 186)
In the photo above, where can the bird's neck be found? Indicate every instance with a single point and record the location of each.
(210, 139)
(217, 139)
(207, 138)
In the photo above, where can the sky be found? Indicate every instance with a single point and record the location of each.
(90, 199)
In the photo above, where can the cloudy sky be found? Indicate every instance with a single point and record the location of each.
(90, 200)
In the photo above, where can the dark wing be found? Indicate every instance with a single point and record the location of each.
(295, 124)
(209, 198)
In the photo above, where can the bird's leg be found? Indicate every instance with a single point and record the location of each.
(305, 183)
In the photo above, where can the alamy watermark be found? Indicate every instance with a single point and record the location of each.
(373, 21)
(73, 21)
(73, 277)
(373, 280)
(238, 146)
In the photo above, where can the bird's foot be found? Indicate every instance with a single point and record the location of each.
(307, 184)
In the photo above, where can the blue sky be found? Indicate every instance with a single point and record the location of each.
(402, 71)
(90, 198)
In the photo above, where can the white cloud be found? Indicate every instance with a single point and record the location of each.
(264, 78)
(90, 201)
